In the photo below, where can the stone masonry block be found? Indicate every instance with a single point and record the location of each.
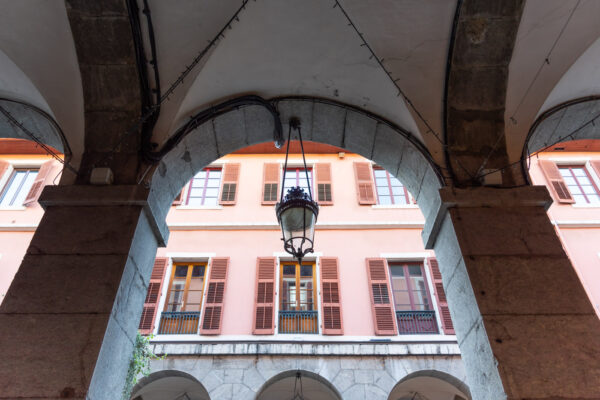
(547, 356)
(344, 380)
(259, 124)
(447, 249)
(130, 297)
(113, 362)
(102, 39)
(461, 300)
(103, 87)
(375, 393)
(202, 145)
(534, 292)
(573, 119)
(65, 284)
(328, 124)
(224, 391)
(412, 169)
(359, 135)
(506, 231)
(40, 352)
(355, 392)
(230, 132)
(490, 83)
(92, 230)
(253, 379)
(480, 365)
(301, 109)
(428, 196)
(544, 131)
(388, 148)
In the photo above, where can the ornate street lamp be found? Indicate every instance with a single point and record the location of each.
(297, 212)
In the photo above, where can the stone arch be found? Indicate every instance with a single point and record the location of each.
(427, 377)
(572, 120)
(310, 377)
(322, 121)
(158, 384)
(34, 120)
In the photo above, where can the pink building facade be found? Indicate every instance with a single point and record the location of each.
(364, 316)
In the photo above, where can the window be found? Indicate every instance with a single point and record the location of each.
(18, 186)
(414, 309)
(298, 309)
(204, 187)
(184, 299)
(580, 184)
(389, 189)
(297, 177)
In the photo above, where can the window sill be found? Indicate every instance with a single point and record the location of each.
(575, 205)
(13, 208)
(198, 207)
(393, 206)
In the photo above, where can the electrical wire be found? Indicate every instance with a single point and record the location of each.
(13, 121)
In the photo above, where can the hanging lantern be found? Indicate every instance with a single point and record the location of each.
(297, 211)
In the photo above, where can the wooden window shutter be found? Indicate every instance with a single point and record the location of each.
(270, 191)
(324, 195)
(38, 184)
(179, 199)
(365, 189)
(440, 295)
(595, 165)
(264, 300)
(153, 296)
(331, 303)
(556, 183)
(215, 297)
(3, 168)
(384, 317)
(231, 175)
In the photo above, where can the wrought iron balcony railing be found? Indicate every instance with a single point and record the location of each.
(415, 322)
(179, 322)
(298, 322)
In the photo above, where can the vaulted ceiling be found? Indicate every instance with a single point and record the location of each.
(505, 61)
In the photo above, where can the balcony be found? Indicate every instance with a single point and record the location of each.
(179, 323)
(416, 322)
(298, 322)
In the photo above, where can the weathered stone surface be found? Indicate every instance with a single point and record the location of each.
(303, 110)
(102, 38)
(359, 135)
(230, 132)
(328, 124)
(103, 88)
(259, 124)
(389, 148)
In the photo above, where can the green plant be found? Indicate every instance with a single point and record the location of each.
(140, 362)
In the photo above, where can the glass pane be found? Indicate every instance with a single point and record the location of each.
(12, 188)
(589, 190)
(194, 201)
(198, 183)
(306, 270)
(214, 174)
(212, 183)
(397, 270)
(414, 270)
(400, 199)
(181, 271)
(194, 297)
(379, 173)
(595, 199)
(192, 307)
(565, 172)
(196, 284)
(198, 271)
(579, 172)
(289, 270)
(395, 181)
(212, 192)
(575, 189)
(579, 199)
(385, 200)
(210, 201)
(570, 181)
(196, 192)
(383, 190)
(381, 181)
(200, 175)
(398, 190)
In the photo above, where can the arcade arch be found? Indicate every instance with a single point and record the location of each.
(169, 385)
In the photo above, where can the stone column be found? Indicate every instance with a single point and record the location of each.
(68, 321)
(525, 326)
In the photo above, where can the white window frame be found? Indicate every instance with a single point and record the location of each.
(17, 164)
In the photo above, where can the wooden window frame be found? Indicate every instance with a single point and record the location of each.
(587, 174)
(297, 277)
(410, 289)
(188, 279)
(191, 182)
(389, 185)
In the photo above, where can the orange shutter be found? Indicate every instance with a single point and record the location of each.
(179, 199)
(324, 195)
(556, 183)
(365, 189)
(330, 297)
(383, 311)
(231, 174)
(215, 296)
(270, 191)
(3, 167)
(264, 301)
(38, 184)
(595, 165)
(440, 295)
(153, 296)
